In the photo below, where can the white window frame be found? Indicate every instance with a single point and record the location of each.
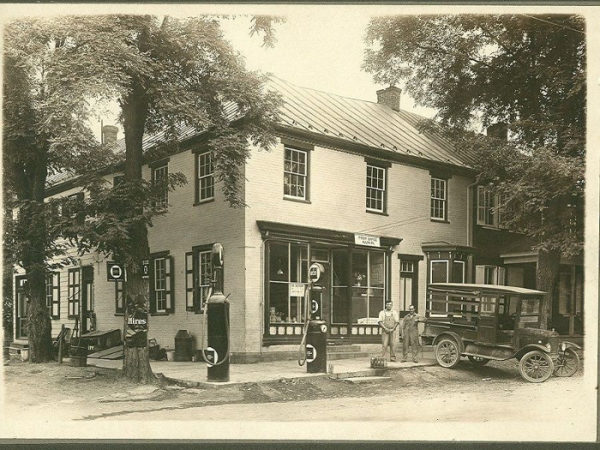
(378, 175)
(488, 213)
(436, 185)
(160, 292)
(205, 161)
(289, 173)
(163, 201)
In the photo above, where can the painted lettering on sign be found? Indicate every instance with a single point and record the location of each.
(314, 306)
(366, 239)
(297, 289)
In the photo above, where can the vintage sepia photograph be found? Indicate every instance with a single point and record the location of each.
(300, 222)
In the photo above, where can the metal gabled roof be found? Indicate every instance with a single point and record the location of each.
(360, 121)
(356, 121)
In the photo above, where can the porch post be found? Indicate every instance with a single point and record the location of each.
(573, 304)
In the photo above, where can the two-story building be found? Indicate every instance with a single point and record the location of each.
(351, 184)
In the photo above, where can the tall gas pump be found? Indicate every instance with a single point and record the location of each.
(216, 354)
(313, 348)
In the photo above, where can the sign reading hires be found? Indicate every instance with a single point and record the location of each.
(366, 239)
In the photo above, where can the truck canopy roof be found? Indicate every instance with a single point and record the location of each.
(484, 288)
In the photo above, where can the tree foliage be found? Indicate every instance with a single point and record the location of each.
(527, 72)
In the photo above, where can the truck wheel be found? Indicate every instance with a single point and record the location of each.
(447, 353)
(536, 366)
(567, 364)
(478, 360)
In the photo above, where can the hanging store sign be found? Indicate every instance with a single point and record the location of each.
(145, 268)
(115, 271)
(366, 239)
(297, 289)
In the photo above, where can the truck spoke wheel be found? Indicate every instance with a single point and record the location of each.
(536, 366)
(567, 364)
(447, 353)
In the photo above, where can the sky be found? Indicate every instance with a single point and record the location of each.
(314, 49)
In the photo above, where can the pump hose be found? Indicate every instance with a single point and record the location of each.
(204, 326)
(302, 348)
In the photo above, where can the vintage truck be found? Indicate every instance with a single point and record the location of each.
(492, 322)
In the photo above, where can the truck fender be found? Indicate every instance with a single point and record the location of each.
(530, 347)
(569, 345)
(452, 335)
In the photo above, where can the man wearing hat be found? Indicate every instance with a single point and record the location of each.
(410, 334)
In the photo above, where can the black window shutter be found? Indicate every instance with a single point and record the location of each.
(196, 280)
(152, 292)
(170, 285)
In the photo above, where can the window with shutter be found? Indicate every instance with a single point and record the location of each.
(53, 294)
(161, 283)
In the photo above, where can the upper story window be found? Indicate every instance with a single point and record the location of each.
(160, 177)
(439, 199)
(487, 207)
(376, 184)
(205, 177)
(295, 173)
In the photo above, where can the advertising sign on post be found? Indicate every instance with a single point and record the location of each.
(115, 271)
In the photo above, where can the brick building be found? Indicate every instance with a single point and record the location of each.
(351, 184)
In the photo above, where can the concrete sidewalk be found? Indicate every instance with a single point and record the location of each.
(193, 374)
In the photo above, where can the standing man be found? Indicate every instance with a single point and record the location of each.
(388, 321)
(410, 334)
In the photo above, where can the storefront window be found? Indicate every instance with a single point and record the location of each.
(339, 304)
(288, 269)
(368, 276)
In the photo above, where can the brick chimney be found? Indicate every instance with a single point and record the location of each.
(498, 130)
(390, 97)
(109, 134)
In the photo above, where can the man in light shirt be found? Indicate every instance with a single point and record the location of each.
(388, 321)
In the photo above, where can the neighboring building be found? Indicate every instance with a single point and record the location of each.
(352, 184)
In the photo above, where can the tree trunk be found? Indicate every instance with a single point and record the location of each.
(546, 279)
(32, 223)
(136, 365)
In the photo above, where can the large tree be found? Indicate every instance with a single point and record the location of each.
(171, 74)
(44, 130)
(523, 73)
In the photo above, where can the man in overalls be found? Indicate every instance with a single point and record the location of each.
(388, 321)
(410, 334)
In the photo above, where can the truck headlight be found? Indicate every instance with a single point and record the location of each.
(548, 346)
(563, 346)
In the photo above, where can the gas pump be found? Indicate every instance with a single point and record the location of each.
(313, 347)
(216, 354)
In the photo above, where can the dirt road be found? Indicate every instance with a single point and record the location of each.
(494, 394)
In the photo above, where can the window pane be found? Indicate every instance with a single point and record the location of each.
(375, 302)
(377, 272)
(340, 267)
(340, 305)
(278, 258)
(458, 272)
(405, 293)
(278, 298)
(359, 268)
(439, 271)
(360, 312)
